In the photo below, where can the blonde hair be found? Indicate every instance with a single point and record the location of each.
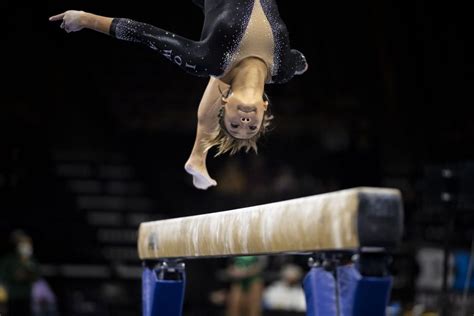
(225, 142)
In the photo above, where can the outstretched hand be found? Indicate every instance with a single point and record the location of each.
(72, 20)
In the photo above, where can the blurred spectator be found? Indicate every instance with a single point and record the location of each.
(259, 172)
(232, 180)
(286, 294)
(18, 272)
(43, 299)
(245, 295)
(3, 299)
(335, 136)
(285, 181)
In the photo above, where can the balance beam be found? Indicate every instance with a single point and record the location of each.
(341, 220)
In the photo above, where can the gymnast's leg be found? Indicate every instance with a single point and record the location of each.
(196, 167)
(207, 122)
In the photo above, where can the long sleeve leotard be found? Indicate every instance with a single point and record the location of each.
(232, 30)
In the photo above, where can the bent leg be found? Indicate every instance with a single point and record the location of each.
(207, 122)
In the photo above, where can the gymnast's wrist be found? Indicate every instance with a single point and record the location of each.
(86, 19)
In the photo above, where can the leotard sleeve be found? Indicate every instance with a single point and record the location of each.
(189, 55)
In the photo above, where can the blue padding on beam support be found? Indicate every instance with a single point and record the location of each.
(320, 292)
(347, 294)
(372, 296)
(162, 297)
(347, 280)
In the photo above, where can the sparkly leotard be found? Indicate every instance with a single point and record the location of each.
(233, 30)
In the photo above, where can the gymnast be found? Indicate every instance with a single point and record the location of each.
(244, 45)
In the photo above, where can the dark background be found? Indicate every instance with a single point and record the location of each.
(95, 133)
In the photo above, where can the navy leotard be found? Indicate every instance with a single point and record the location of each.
(225, 23)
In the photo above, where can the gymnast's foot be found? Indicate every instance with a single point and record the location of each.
(201, 178)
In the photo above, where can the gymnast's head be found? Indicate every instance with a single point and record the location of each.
(243, 119)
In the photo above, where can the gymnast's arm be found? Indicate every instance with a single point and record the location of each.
(73, 21)
(191, 56)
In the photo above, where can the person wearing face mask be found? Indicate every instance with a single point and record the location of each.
(18, 272)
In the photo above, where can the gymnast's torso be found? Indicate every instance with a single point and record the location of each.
(233, 30)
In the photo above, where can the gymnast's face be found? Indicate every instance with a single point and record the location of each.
(243, 118)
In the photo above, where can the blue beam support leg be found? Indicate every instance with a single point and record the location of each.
(320, 292)
(335, 289)
(372, 296)
(163, 289)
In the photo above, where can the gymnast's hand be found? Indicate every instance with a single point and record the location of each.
(73, 20)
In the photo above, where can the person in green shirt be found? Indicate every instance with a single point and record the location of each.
(18, 272)
(245, 294)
